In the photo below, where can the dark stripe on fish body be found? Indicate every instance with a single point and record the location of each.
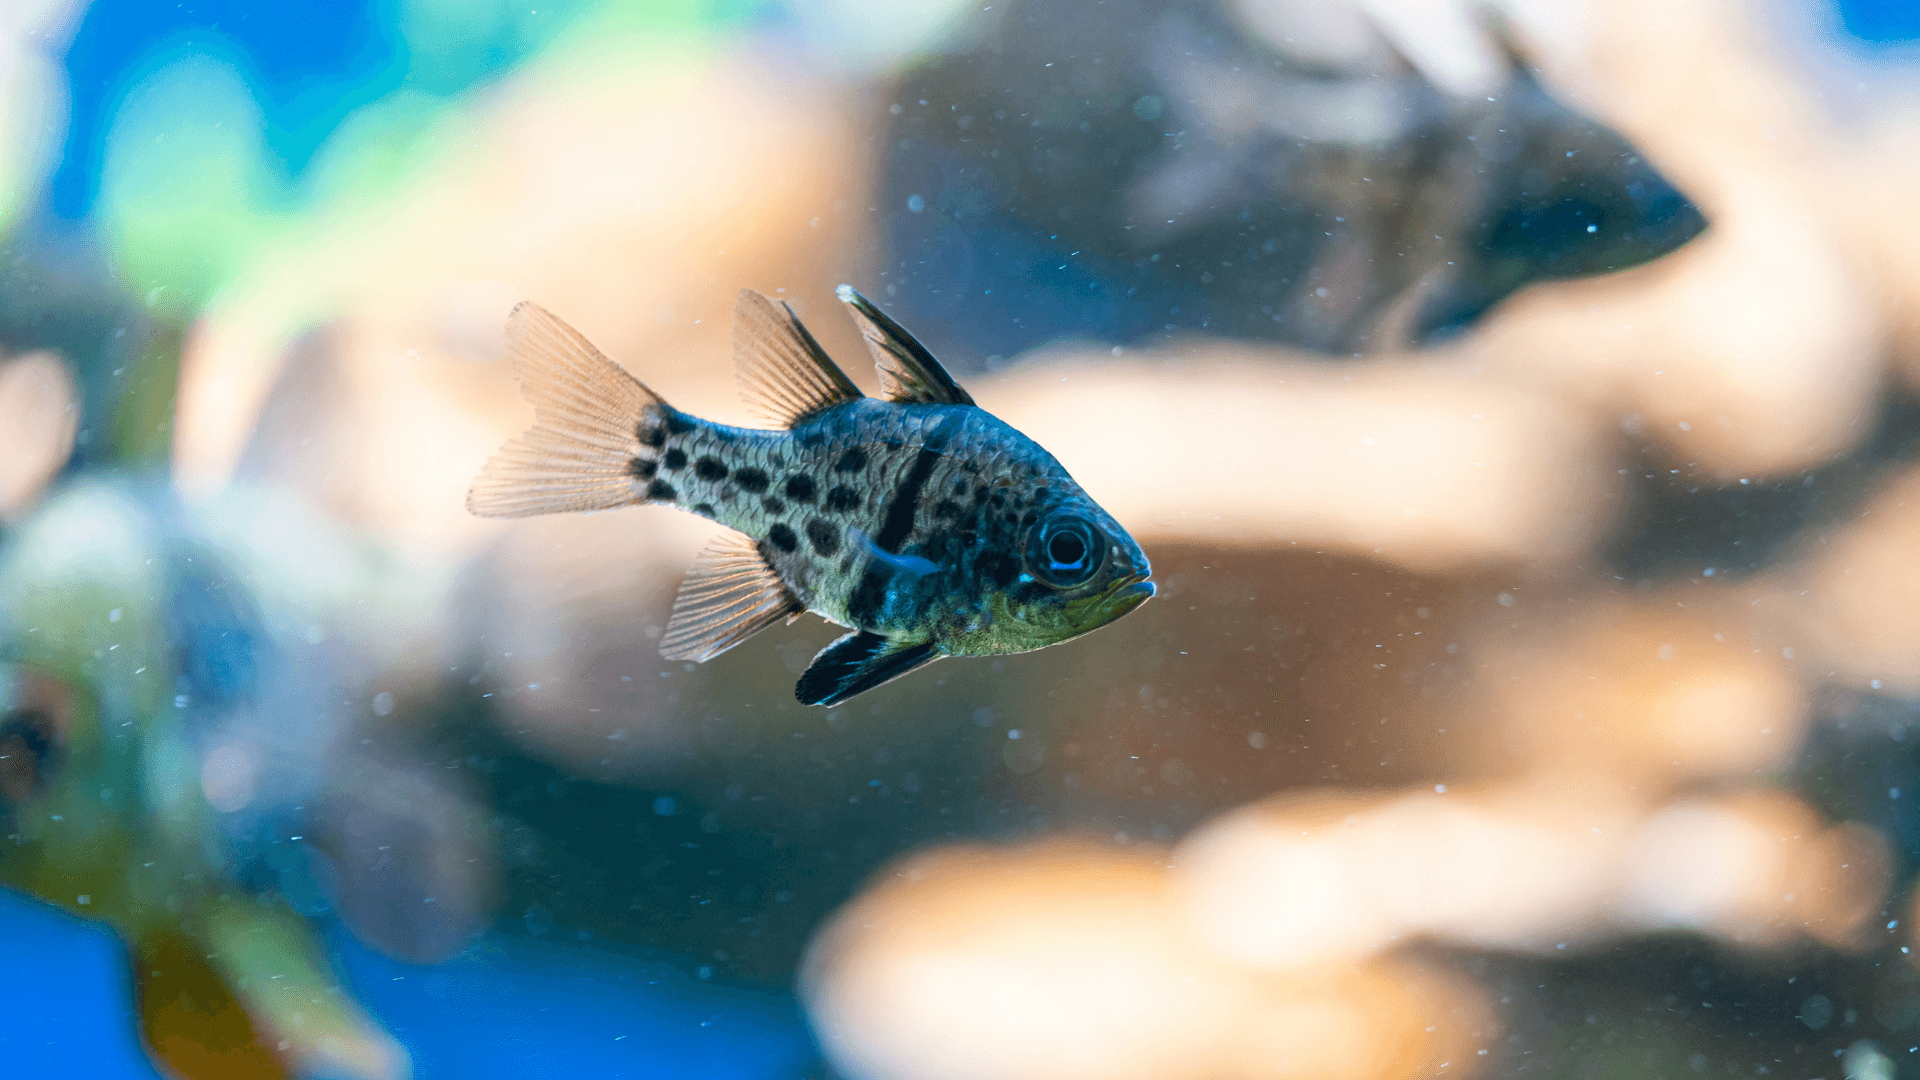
(867, 597)
(782, 537)
(898, 524)
(870, 595)
(710, 468)
(751, 480)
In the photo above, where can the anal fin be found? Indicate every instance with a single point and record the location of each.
(730, 594)
(858, 662)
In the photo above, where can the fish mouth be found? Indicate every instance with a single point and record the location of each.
(1126, 594)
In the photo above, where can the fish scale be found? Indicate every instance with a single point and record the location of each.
(922, 522)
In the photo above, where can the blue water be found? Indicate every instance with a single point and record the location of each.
(1881, 22)
(506, 1008)
(310, 65)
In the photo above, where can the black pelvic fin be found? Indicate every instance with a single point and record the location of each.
(858, 662)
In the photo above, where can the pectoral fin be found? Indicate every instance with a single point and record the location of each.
(857, 663)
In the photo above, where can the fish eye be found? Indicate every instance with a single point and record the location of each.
(1066, 550)
(26, 754)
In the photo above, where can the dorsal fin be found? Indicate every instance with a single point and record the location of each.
(730, 594)
(784, 374)
(908, 372)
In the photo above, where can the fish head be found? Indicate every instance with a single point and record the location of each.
(1075, 570)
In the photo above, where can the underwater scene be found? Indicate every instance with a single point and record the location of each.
(948, 540)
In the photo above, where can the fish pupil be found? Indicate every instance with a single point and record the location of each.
(1067, 551)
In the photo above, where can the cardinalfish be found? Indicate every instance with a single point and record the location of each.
(920, 521)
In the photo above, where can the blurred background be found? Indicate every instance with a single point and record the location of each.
(1519, 401)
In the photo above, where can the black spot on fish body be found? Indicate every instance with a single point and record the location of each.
(1013, 518)
(679, 424)
(651, 436)
(853, 461)
(751, 480)
(960, 486)
(946, 510)
(642, 468)
(773, 505)
(704, 509)
(824, 537)
(782, 537)
(710, 468)
(676, 458)
(842, 498)
(800, 488)
(662, 490)
(814, 440)
(998, 567)
(980, 494)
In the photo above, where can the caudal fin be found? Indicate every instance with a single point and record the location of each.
(597, 432)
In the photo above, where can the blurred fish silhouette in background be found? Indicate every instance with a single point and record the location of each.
(931, 528)
(162, 758)
(1345, 179)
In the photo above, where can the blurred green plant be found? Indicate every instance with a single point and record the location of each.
(189, 188)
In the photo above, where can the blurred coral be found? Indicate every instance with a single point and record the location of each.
(33, 97)
(38, 418)
(1063, 959)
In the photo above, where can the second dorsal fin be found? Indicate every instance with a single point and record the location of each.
(784, 374)
(908, 372)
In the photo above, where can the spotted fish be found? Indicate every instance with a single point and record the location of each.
(921, 522)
